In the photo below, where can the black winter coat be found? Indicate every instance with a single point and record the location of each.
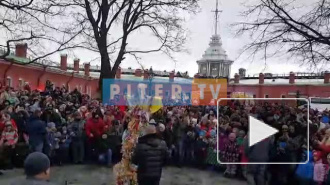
(150, 155)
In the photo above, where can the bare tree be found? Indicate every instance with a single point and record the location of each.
(34, 22)
(285, 27)
(110, 23)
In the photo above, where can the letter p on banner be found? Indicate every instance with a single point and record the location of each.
(206, 91)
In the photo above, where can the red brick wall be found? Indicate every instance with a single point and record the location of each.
(31, 74)
(322, 90)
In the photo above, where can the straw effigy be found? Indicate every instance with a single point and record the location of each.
(125, 172)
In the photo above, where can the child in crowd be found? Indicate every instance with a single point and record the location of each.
(52, 140)
(62, 151)
(8, 141)
(230, 155)
(212, 150)
(201, 149)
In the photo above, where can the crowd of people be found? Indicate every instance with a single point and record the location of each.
(70, 127)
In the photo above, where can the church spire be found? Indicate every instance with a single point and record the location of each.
(216, 12)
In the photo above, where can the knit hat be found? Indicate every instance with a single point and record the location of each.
(36, 163)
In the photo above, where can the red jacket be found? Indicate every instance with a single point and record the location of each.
(118, 115)
(2, 125)
(94, 127)
(325, 150)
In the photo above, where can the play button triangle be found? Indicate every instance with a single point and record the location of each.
(259, 131)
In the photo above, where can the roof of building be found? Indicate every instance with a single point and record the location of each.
(279, 81)
(215, 52)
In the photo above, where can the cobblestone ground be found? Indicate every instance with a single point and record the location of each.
(87, 175)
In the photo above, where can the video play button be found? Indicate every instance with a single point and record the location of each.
(259, 131)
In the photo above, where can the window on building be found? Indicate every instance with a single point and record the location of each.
(266, 96)
(9, 82)
(254, 96)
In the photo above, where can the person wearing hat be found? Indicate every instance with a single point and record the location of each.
(152, 122)
(150, 155)
(36, 169)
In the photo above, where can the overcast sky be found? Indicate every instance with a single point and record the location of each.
(201, 27)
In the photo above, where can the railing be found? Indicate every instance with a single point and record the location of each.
(297, 74)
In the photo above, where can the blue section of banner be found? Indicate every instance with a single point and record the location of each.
(142, 92)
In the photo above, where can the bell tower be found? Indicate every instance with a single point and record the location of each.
(215, 61)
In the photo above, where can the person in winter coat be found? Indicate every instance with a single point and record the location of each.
(115, 140)
(190, 139)
(77, 133)
(94, 129)
(149, 155)
(260, 152)
(8, 141)
(305, 172)
(50, 115)
(327, 180)
(4, 118)
(178, 138)
(168, 137)
(37, 170)
(9, 136)
(21, 117)
(231, 155)
(52, 139)
(104, 150)
(36, 129)
(62, 152)
(319, 168)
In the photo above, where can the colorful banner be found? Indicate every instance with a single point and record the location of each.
(140, 92)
